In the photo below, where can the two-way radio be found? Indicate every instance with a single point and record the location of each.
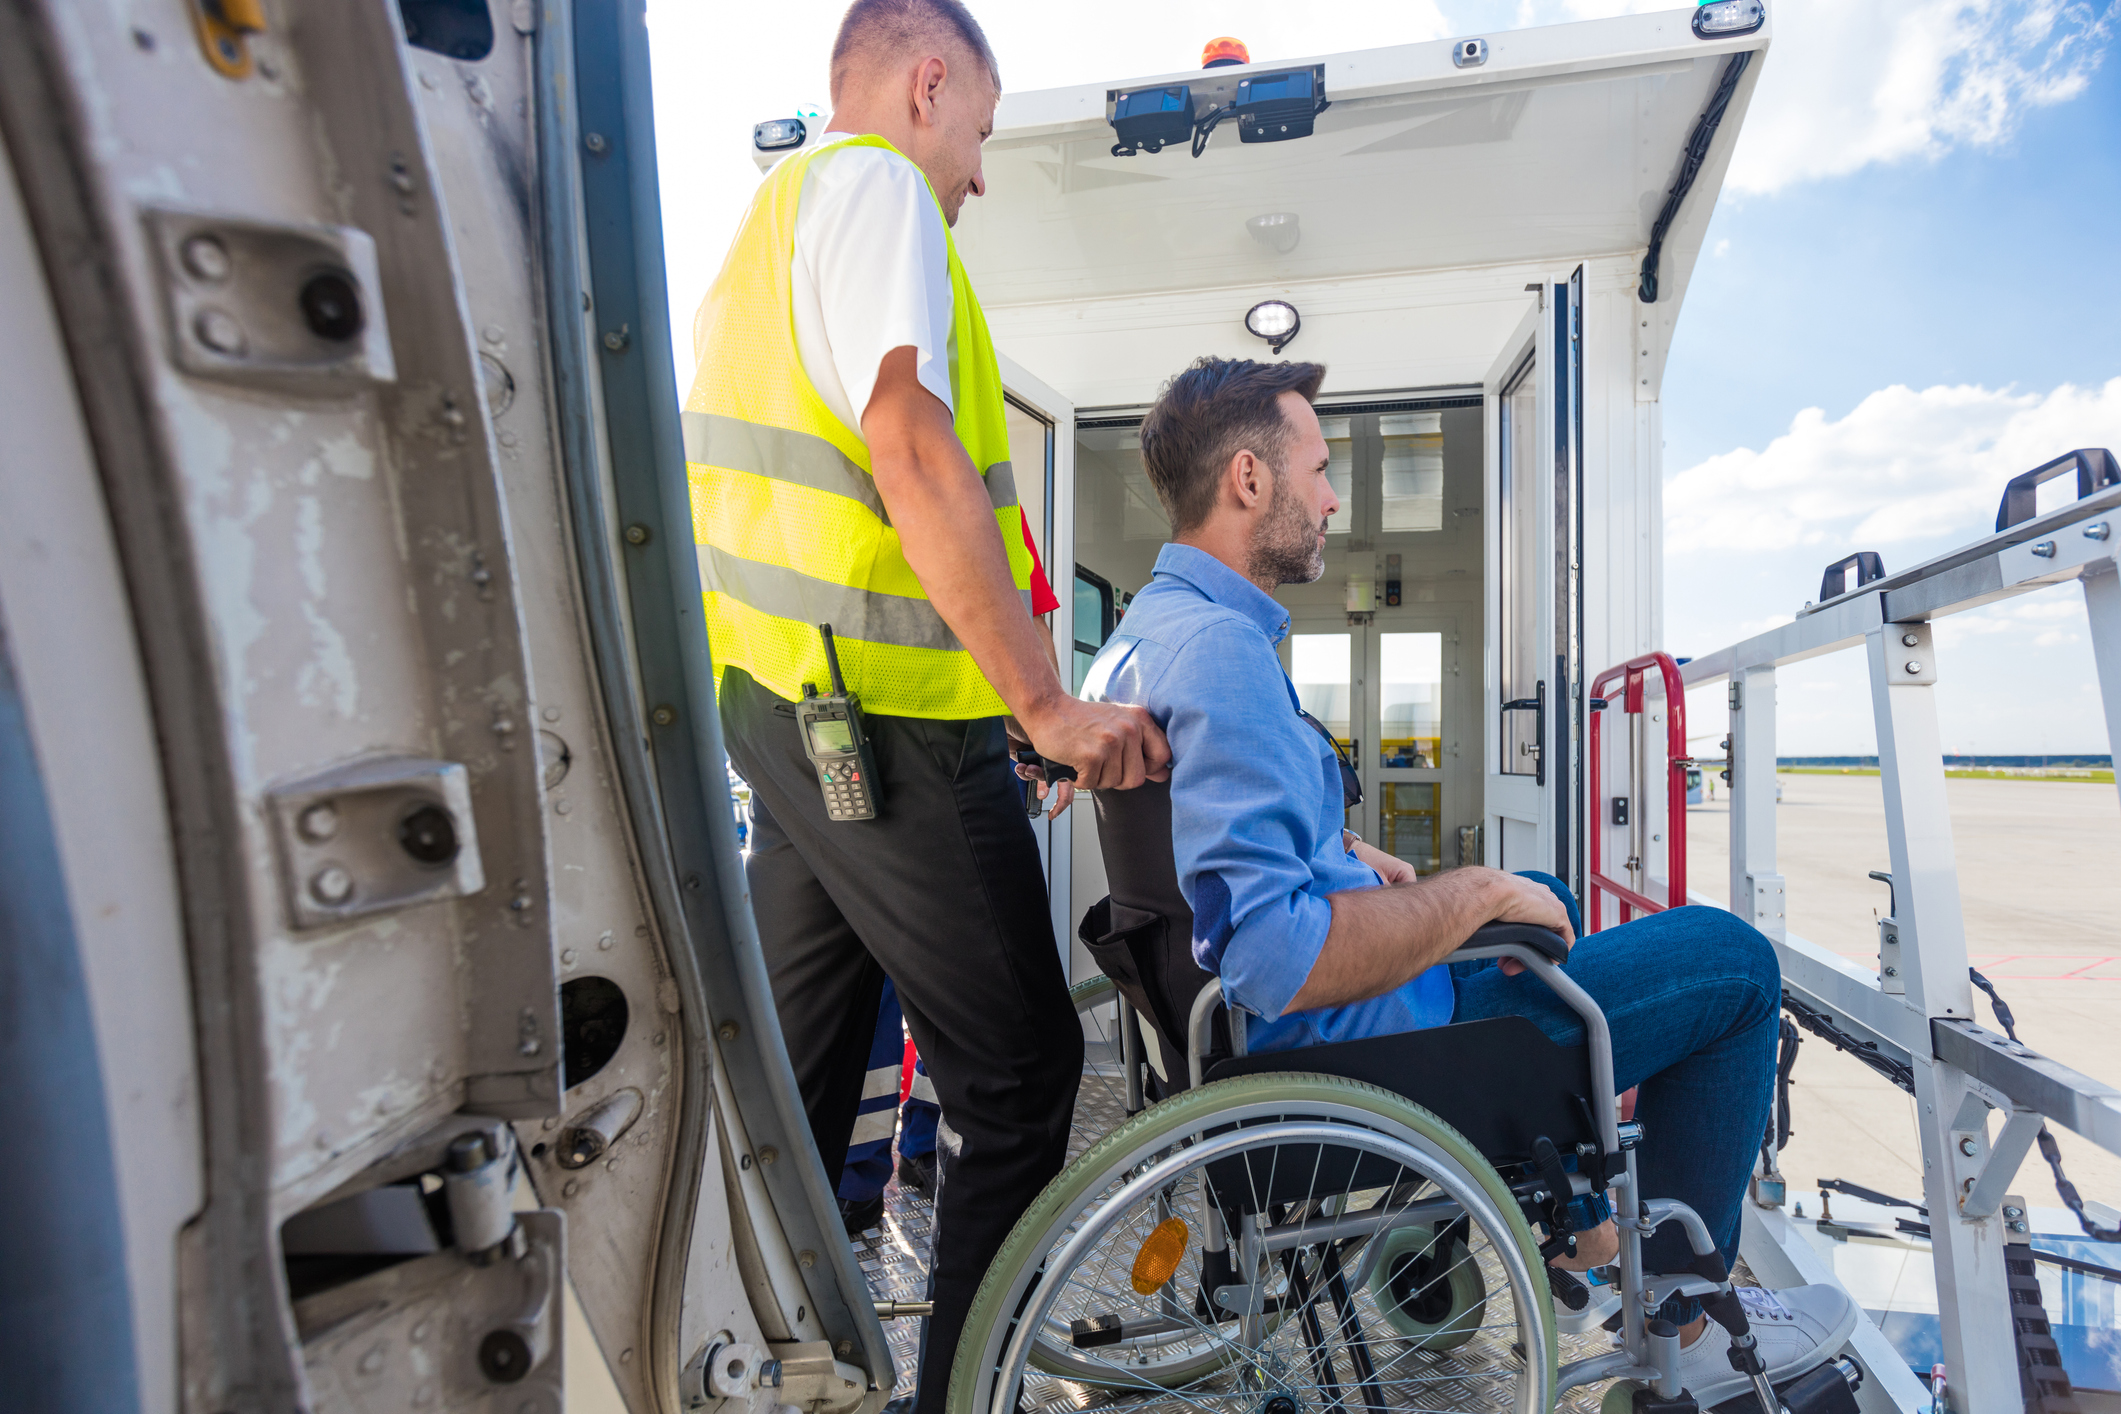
(836, 744)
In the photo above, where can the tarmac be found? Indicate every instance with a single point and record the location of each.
(2039, 878)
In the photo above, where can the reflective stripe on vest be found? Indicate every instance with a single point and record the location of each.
(789, 527)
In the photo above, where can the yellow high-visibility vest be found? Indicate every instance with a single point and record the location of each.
(790, 530)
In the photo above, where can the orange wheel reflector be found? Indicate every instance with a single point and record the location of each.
(1161, 1253)
(1224, 50)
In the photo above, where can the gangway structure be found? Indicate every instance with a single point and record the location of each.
(1982, 1099)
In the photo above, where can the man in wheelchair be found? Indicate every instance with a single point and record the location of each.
(1319, 938)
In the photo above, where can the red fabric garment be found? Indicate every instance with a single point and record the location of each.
(1043, 600)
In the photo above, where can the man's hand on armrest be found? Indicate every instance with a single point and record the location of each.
(1382, 937)
(946, 527)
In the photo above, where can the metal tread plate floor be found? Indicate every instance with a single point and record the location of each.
(894, 1258)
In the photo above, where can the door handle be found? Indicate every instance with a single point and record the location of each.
(1538, 705)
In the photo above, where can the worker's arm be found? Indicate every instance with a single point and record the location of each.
(1381, 938)
(939, 506)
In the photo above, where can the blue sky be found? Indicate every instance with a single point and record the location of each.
(1908, 292)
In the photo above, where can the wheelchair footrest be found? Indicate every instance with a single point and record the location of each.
(1647, 1401)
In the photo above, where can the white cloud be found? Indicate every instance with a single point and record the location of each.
(1901, 465)
(1851, 82)
(1847, 85)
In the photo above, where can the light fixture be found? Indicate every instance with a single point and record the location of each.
(1278, 231)
(778, 134)
(1274, 320)
(1150, 117)
(1224, 51)
(1721, 19)
(1278, 107)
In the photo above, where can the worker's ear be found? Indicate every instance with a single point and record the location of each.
(1249, 481)
(928, 81)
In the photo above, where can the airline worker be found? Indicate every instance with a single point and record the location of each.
(849, 462)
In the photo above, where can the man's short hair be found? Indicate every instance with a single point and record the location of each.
(878, 31)
(1208, 414)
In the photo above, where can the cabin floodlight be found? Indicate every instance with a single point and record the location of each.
(1274, 320)
(1151, 117)
(779, 134)
(1720, 19)
(1278, 107)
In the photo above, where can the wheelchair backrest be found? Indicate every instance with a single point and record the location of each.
(1141, 933)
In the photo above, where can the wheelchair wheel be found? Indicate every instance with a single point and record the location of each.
(1216, 1253)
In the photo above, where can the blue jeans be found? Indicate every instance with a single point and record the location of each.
(1693, 998)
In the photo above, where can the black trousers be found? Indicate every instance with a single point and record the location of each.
(943, 893)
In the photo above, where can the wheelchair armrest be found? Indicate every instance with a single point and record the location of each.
(1544, 941)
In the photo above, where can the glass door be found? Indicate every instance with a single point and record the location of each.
(1324, 657)
(1531, 673)
(1405, 776)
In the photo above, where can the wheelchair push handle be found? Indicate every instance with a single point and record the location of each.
(1544, 941)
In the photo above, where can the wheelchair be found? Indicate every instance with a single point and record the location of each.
(1348, 1226)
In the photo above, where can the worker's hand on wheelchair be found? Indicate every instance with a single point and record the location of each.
(1521, 900)
(1111, 745)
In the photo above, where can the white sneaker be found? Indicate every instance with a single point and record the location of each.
(1797, 1330)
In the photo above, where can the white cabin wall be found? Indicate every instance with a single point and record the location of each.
(1623, 455)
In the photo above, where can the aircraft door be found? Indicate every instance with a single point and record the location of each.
(1533, 673)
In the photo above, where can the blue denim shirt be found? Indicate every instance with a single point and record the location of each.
(1255, 800)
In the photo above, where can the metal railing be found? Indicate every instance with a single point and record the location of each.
(1917, 1009)
(1633, 896)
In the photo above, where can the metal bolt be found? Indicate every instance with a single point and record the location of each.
(637, 535)
(1909, 640)
(2017, 1226)
(594, 141)
(219, 331)
(1914, 665)
(727, 1031)
(1892, 972)
(567, 956)
(617, 339)
(664, 715)
(2014, 1212)
(206, 258)
(2097, 530)
(768, 1154)
(808, 1259)
(2045, 549)
(331, 885)
(1968, 1147)
(319, 822)
(604, 943)
(570, 1188)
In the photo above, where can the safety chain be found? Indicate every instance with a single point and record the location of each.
(2049, 1149)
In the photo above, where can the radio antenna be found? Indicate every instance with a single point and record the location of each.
(832, 661)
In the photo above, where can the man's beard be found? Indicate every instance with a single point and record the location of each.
(1286, 548)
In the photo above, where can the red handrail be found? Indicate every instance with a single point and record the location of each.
(1676, 761)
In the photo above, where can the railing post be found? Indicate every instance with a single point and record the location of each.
(1756, 885)
(1973, 1298)
(2102, 603)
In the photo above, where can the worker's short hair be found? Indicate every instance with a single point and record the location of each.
(1208, 414)
(876, 31)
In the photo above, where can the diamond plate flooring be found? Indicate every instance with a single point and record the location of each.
(894, 1257)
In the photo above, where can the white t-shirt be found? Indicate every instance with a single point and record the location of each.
(871, 274)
